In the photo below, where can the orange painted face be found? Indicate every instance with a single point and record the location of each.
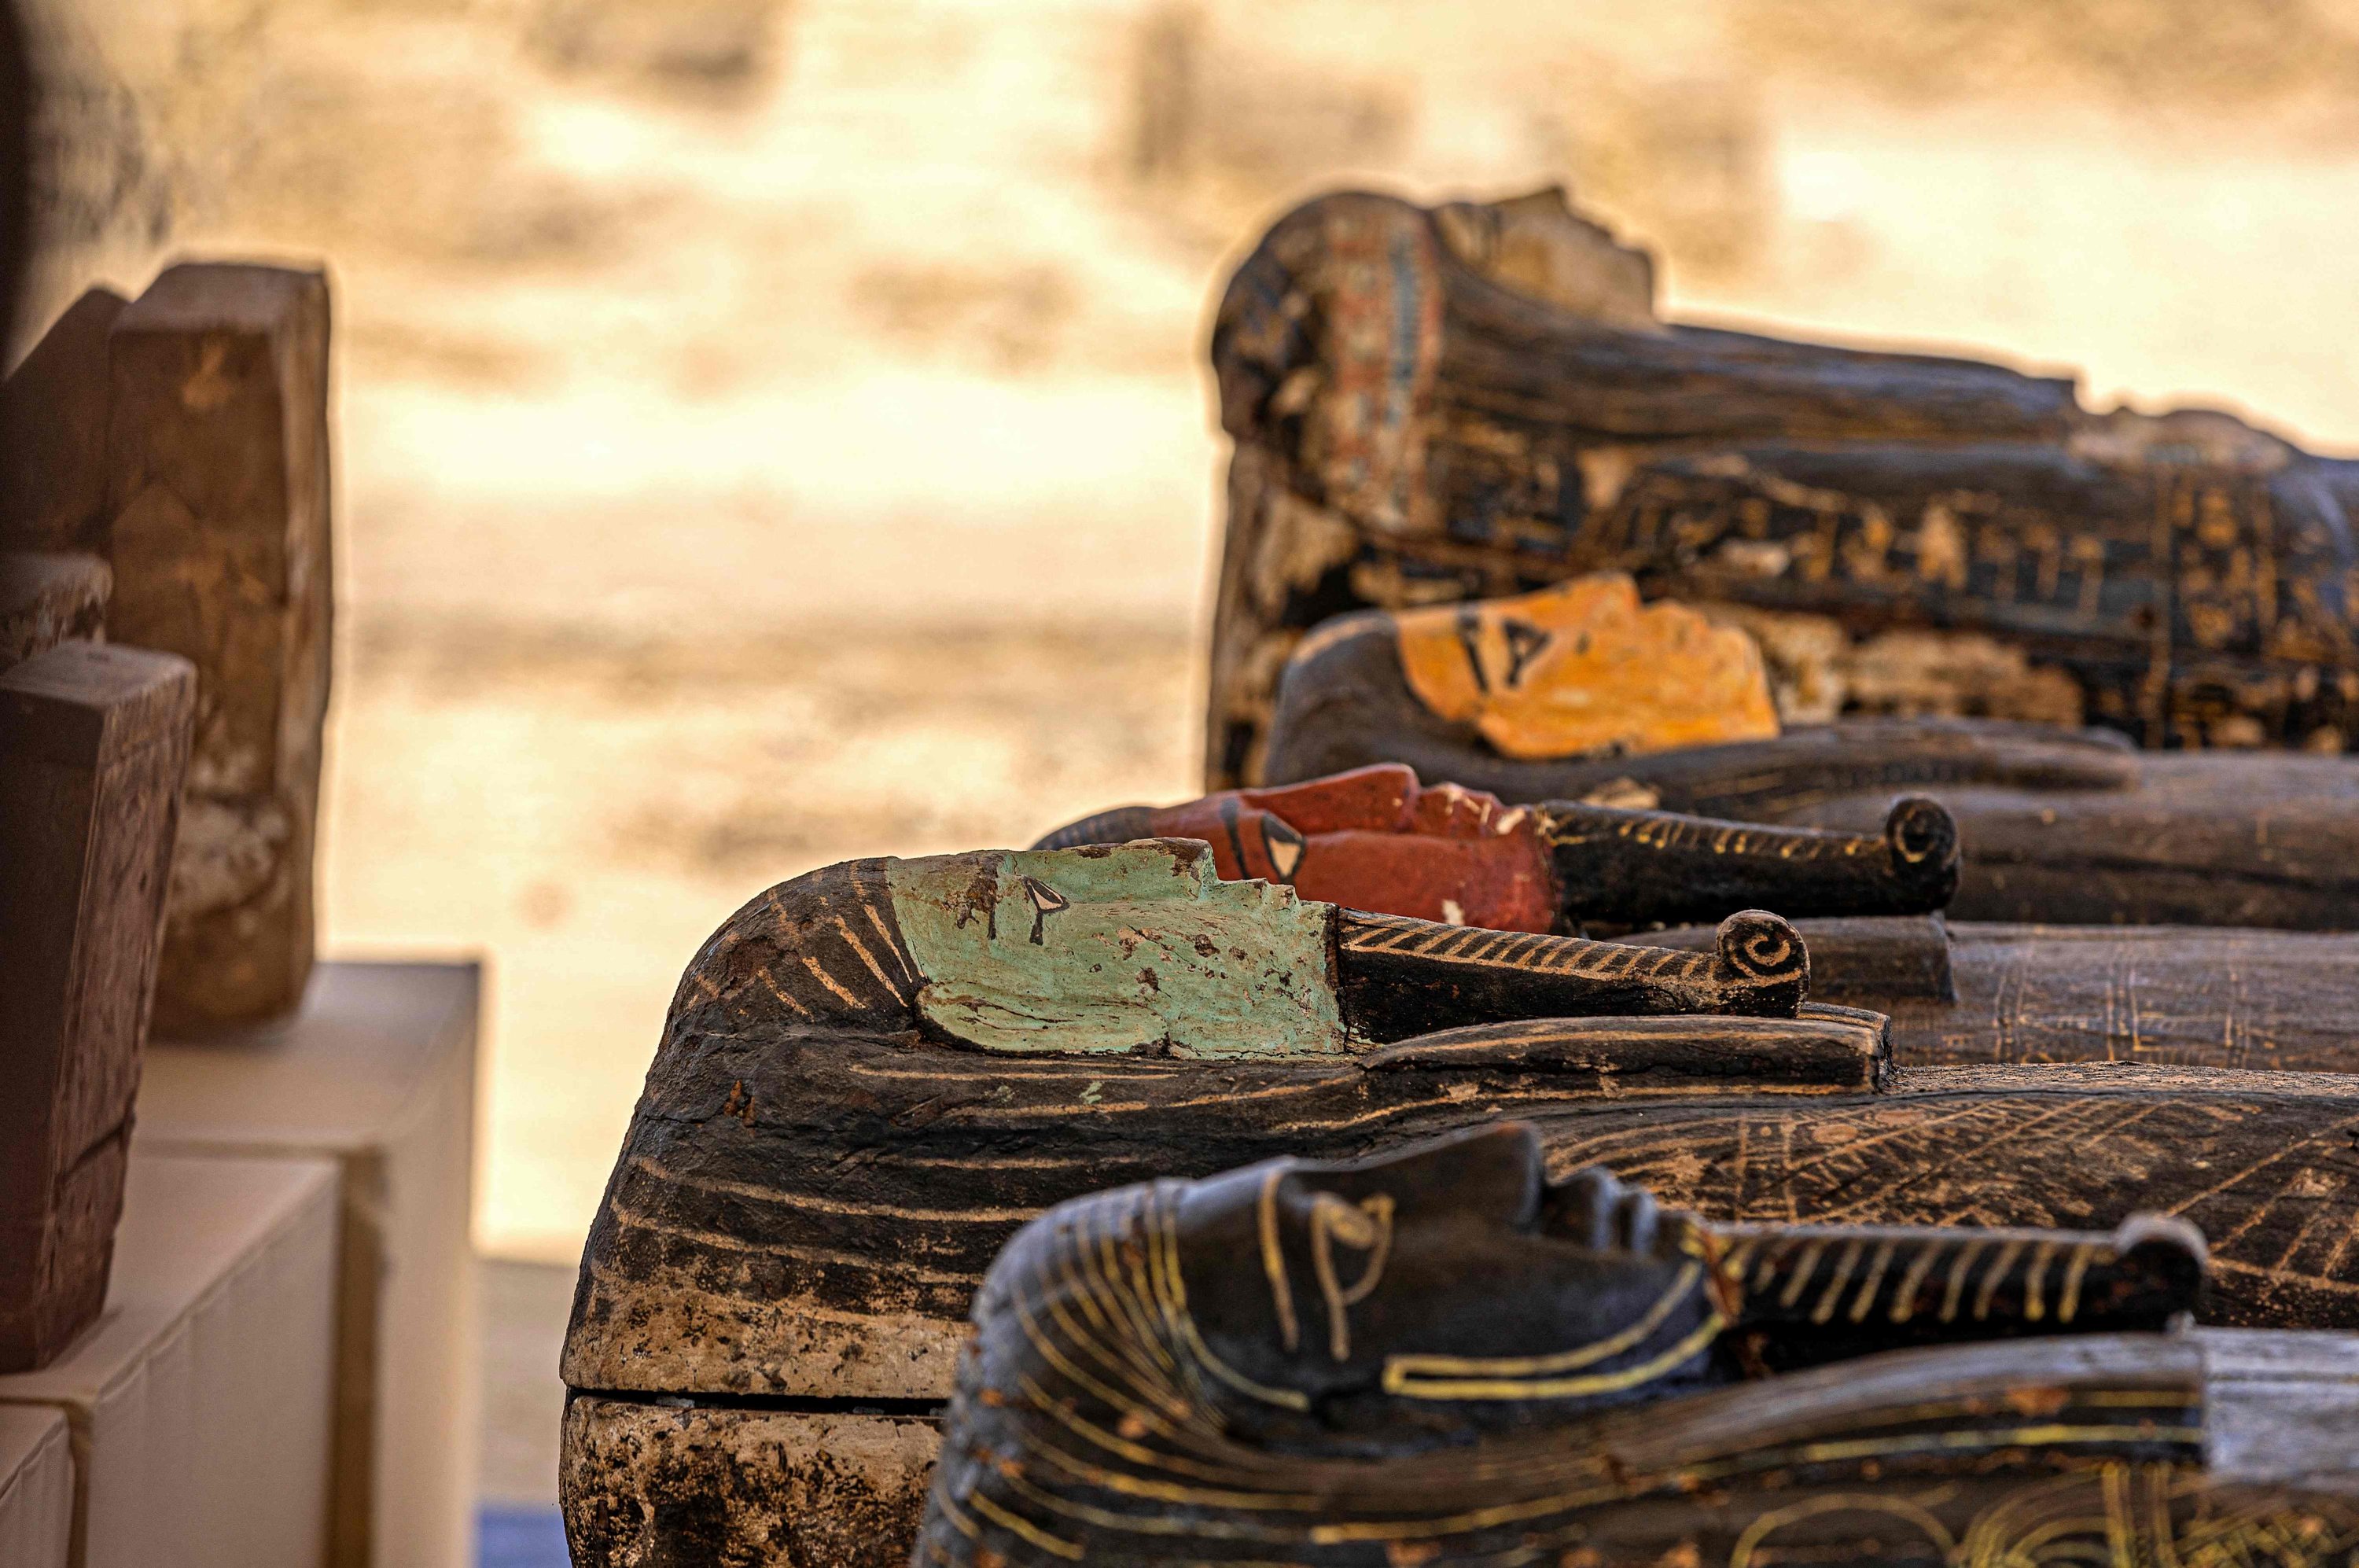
(1583, 668)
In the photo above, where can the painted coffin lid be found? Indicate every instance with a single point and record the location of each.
(1370, 839)
(1139, 947)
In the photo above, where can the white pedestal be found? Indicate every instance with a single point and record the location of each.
(377, 1073)
(200, 1401)
(37, 1488)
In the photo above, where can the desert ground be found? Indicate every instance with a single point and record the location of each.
(773, 430)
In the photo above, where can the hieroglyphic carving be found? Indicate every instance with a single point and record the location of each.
(1449, 436)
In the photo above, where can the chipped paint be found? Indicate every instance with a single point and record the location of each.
(1105, 951)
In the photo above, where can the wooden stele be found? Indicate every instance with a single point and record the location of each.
(872, 1075)
(1440, 1358)
(1415, 423)
(46, 598)
(218, 494)
(2060, 826)
(95, 739)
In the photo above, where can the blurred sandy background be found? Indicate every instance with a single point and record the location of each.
(772, 431)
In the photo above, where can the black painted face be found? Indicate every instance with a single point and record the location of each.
(1445, 1285)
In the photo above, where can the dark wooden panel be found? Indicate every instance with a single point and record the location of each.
(96, 742)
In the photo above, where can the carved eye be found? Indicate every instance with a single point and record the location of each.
(1525, 642)
(1046, 901)
(1284, 845)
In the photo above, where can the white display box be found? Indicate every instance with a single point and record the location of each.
(201, 1401)
(376, 1072)
(37, 1488)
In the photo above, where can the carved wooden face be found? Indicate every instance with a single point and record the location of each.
(1583, 668)
(1444, 1285)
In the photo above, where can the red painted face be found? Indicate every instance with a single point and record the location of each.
(1372, 839)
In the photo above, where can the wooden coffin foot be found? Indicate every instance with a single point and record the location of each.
(648, 1484)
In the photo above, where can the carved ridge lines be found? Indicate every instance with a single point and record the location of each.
(1573, 957)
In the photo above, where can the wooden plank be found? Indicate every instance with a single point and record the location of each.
(218, 498)
(97, 740)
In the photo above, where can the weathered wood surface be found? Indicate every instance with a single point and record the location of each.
(1512, 1372)
(1411, 430)
(50, 597)
(1965, 992)
(217, 526)
(676, 1483)
(818, 1175)
(1372, 839)
(95, 739)
(2056, 826)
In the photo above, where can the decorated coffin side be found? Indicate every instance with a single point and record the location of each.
(1867, 904)
(1438, 1358)
(874, 1075)
(2058, 825)
(1419, 417)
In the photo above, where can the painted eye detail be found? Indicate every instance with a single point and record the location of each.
(1046, 901)
(1525, 642)
(1284, 846)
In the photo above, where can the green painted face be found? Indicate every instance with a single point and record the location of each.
(1103, 949)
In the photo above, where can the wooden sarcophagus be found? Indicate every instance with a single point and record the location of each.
(1443, 1358)
(1477, 399)
(2062, 825)
(1871, 908)
(874, 1075)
